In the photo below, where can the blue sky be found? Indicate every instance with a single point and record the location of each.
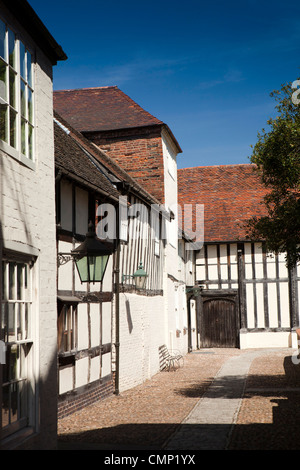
(204, 68)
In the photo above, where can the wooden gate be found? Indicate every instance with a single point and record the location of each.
(218, 319)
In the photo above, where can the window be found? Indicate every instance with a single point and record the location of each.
(16, 93)
(16, 332)
(67, 328)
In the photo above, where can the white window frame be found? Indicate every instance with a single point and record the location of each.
(67, 329)
(27, 157)
(17, 331)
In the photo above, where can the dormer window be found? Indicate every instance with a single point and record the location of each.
(16, 95)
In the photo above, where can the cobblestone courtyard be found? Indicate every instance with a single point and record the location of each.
(147, 416)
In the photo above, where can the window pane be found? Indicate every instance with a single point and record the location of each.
(65, 330)
(11, 322)
(3, 122)
(27, 287)
(4, 294)
(30, 106)
(14, 403)
(12, 284)
(2, 40)
(23, 361)
(12, 89)
(23, 136)
(19, 313)
(3, 79)
(13, 129)
(23, 392)
(26, 331)
(20, 281)
(30, 142)
(3, 322)
(29, 69)
(22, 61)
(12, 48)
(12, 362)
(23, 99)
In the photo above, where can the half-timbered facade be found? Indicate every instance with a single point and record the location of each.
(84, 316)
(249, 298)
(147, 150)
(125, 213)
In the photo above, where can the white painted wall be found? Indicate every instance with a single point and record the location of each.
(28, 225)
(175, 271)
(141, 334)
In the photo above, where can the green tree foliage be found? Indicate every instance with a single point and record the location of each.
(277, 157)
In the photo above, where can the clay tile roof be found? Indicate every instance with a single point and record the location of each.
(99, 109)
(74, 162)
(103, 109)
(231, 194)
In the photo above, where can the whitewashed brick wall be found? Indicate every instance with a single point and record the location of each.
(28, 225)
(141, 334)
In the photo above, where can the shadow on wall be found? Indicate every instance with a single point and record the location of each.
(16, 192)
(129, 317)
(46, 437)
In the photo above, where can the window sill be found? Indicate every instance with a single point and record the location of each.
(17, 155)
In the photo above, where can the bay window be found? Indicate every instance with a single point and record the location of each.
(16, 94)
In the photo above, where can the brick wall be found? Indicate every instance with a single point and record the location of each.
(139, 152)
(76, 400)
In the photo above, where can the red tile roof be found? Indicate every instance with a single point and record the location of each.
(100, 109)
(104, 109)
(231, 194)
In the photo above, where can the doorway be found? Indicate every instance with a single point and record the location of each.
(218, 319)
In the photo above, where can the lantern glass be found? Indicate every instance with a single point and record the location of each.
(140, 281)
(140, 277)
(91, 268)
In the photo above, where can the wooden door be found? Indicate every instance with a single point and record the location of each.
(219, 321)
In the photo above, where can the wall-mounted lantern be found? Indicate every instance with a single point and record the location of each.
(139, 277)
(91, 257)
(194, 291)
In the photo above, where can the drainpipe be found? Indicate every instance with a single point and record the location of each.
(117, 294)
(190, 347)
